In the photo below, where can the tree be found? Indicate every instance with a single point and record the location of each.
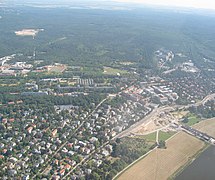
(95, 176)
(185, 120)
(111, 174)
(118, 140)
(162, 144)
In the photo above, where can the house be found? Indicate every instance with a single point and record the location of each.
(67, 167)
(11, 120)
(95, 115)
(62, 172)
(30, 129)
(11, 103)
(70, 145)
(54, 147)
(109, 148)
(93, 139)
(56, 162)
(26, 159)
(118, 129)
(19, 102)
(76, 148)
(19, 156)
(4, 121)
(98, 163)
(54, 133)
(26, 177)
(41, 161)
(113, 133)
(87, 151)
(71, 153)
(55, 177)
(1, 145)
(13, 159)
(12, 172)
(64, 150)
(82, 144)
(45, 156)
(36, 165)
(105, 153)
(88, 171)
(73, 163)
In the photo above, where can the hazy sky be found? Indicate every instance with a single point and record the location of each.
(208, 4)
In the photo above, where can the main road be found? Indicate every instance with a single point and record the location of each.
(147, 119)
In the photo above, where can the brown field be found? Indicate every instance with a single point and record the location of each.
(162, 163)
(154, 123)
(180, 114)
(57, 68)
(28, 32)
(206, 126)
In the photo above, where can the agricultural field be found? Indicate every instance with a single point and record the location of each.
(163, 163)
(114, 71)
(28, 32)
(207, 126)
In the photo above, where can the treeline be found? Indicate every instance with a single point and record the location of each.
(80, 100)
(117, 101)
(125, 151)
(206, 111)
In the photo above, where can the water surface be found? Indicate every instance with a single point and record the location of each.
(203, 168)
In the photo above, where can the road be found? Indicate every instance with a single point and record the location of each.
(203, 101)
(207, 98)
(145, 120)
(157, 137)
(198, 134)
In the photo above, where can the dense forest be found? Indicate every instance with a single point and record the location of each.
(98, 37)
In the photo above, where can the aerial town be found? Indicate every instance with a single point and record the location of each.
(68, 140)
(106, 90)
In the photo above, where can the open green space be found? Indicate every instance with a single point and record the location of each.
(150, 137)
(114, 71)
(191, 119)
(165, 135)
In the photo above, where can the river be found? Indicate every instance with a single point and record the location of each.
(203, 168)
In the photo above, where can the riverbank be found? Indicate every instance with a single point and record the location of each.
(206, 126)
(181, 169)
(203, 167)
(182, 150)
